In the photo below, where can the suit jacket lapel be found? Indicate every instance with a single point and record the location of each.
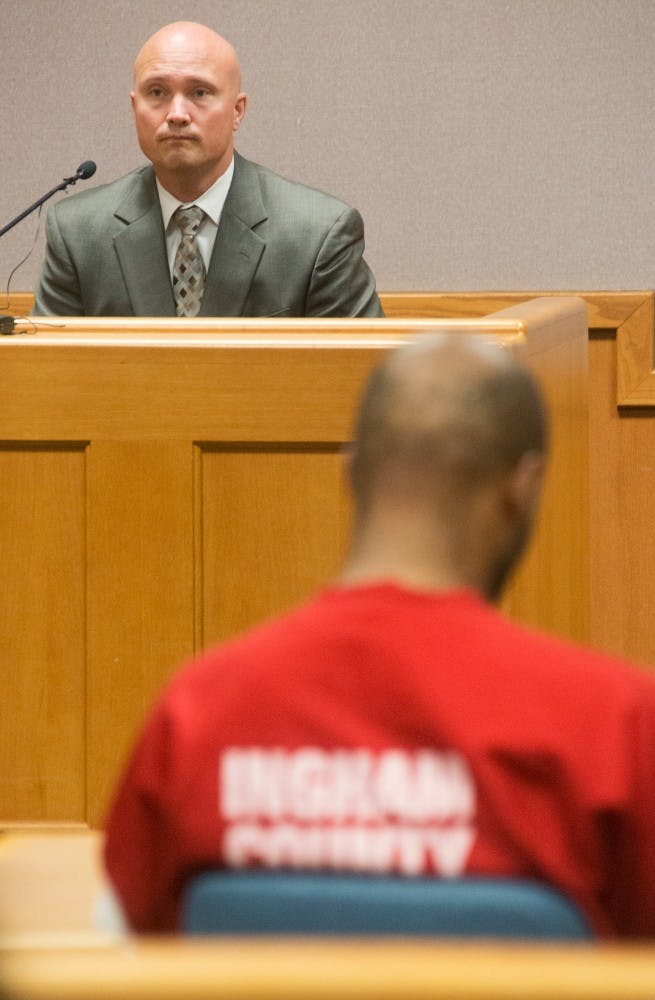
(141, 249)
(237, 249)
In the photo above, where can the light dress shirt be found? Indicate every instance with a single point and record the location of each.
(211, 202)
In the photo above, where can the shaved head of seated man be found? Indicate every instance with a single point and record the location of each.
(398, 722)
(261, 244)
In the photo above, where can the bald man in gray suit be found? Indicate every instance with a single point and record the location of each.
(270, 247)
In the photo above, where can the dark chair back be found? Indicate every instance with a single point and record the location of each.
(263, 902)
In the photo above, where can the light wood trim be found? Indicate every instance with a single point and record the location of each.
(635, 374)
(551, 315)
(324, 969)
(14, 827)
(607, 310)
(255, 332)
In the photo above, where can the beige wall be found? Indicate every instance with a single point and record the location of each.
(490, 144)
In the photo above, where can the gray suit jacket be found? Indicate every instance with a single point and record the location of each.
(282, 249)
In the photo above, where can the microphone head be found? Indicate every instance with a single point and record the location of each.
(86, 169)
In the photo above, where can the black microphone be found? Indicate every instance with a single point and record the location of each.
(86, 169)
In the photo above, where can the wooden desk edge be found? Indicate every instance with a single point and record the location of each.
(322, 969)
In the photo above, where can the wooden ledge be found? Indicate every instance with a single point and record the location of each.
(629, 316)
(199, 332)
(267, 969)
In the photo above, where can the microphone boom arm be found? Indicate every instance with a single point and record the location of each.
(37, 204)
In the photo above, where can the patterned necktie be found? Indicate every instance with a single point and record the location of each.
(188, 267)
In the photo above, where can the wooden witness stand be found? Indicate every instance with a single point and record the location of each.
(166, 484)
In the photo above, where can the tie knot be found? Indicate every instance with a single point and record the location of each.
(188, 219)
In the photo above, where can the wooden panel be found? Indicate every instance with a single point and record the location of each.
(622, 470)
(217, 383)
(550, 588)
(274, 528)
(140, 592)
(42, 583)
(17, 304)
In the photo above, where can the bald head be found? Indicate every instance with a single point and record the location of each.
(442, 415)
(187, 40)
(446, 467)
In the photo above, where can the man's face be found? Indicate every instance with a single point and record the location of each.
(187, 106)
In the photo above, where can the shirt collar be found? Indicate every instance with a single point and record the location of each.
(211, 201)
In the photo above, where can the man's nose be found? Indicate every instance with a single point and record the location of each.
(178, 111)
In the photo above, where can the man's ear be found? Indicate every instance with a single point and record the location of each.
(239, 111)
(524, 483)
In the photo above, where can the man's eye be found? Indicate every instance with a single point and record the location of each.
(155, 92)
(200, 92)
